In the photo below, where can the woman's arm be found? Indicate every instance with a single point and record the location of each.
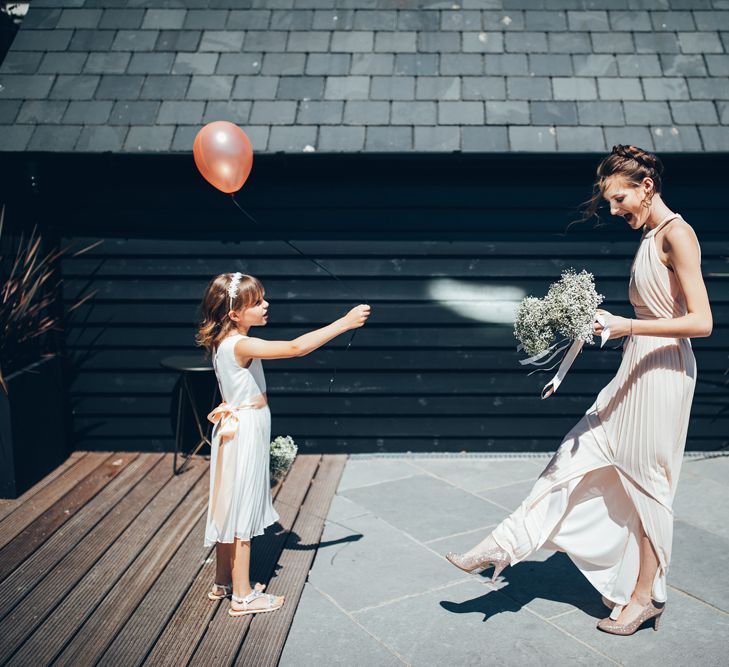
(682, 252)
(248, 348)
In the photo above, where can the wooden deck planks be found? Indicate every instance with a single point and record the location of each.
(171, 595)
(128, 470)
(40, 501)
(266, 637)
(224, 634)
(91, 640)
(8, 505)
(106, 557)
(37, 532)
(38, 587)
(115, 573)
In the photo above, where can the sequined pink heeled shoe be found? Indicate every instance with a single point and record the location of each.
(649, 612)
(477, 563)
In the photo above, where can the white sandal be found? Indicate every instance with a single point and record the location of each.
(228, 590)
(273, 605)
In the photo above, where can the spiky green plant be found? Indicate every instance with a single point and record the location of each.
(30, 282)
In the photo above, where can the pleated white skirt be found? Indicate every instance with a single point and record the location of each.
(615, 472)
(240, 504)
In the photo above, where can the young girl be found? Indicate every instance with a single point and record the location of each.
(605, 498)
(240, 506)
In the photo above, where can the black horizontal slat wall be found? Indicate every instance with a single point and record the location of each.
(432, 243)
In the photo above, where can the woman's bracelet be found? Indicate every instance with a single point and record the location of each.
(631, 328)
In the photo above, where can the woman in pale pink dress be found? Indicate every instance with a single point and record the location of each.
(605, 497)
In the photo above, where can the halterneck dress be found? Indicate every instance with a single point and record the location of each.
(240, 504)
(618, 467)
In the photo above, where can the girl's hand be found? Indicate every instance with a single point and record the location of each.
(356, 317)
(619, 326)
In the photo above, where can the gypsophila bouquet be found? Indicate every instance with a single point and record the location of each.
(283, 453)
(568, 309)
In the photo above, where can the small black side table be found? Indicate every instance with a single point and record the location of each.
(186, 366)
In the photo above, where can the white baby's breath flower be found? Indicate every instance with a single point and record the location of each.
(568, 309)
(283, 452)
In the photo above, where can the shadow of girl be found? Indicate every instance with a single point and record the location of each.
(554, 580)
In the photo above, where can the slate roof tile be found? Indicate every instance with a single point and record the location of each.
(196, 63)
(260, 19)
(164, 19)
(593, 64)
(413, 113)
(155, 138)
(90, 112)
(577, 139)
(639, 65)
(553, 113)
(338, 139)
(114, 62)
(101, 138)
(21, 62)
(366, 112)
(42, 111)
(372, 75)
(485, 139)
(511, 112)
(684, 138)
(328, 63)
(391, 139)
(164, 87)
(533, 139)
(54, 137)
(300, 87)
(647, 113)
(15, 137)
(392, 88)
(320, 113)
(9, 110)
(234, 111)
(134, 113)
(434, 139)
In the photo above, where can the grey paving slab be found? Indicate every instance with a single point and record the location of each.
(477, 475)
(471, 624)
(693, 560)
(364, 472)
(714, 467)
(425, 507)
(347, 643)
(363, 561)
(511, 495)
(703, 503)
(691, 633)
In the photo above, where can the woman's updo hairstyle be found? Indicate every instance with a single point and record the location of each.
(631, 163)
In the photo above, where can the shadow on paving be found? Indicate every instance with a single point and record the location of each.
(556, 579)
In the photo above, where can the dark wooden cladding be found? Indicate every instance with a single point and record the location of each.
(439, 245)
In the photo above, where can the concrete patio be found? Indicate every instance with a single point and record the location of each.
(381, 593)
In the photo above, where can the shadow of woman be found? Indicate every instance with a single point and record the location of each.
(555, 580)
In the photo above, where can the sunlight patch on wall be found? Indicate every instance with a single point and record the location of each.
(494, 304)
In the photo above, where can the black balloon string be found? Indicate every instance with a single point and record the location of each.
(298, 250)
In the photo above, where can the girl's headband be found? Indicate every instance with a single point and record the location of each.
(233, 288)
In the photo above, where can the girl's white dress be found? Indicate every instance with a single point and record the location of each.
(240, 504)
(617, 469)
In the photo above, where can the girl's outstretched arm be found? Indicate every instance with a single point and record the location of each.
(257, 348)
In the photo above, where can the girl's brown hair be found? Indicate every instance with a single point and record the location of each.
(216, 304)
(633, 164)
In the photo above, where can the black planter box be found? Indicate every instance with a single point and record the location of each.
(33, 426)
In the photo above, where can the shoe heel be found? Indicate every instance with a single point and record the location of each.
(498, 569)
(656, 621)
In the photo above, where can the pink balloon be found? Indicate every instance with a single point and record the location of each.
(224, 155)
